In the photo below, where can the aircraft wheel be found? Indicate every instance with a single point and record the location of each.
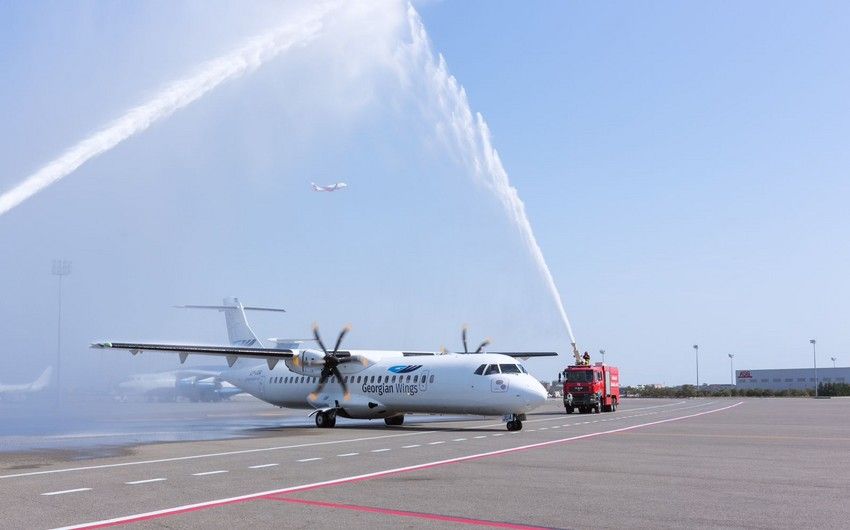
(394, 421)
(331, 420)
(322, 420)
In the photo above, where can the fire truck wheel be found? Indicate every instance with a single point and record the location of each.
(569, 410)
(614, 406)
(597, 408)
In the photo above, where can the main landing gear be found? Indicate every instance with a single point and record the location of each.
(394, 421)
(325, 419)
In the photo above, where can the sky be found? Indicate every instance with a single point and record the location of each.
(684, 168)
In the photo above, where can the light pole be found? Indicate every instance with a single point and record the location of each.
(833, 361)
(602, 353)
(61, 268)
(815, 360)
(696, 352)
(732, 367)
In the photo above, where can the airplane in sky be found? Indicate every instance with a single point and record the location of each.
(329, 187)
(367, 384)
(21, 390)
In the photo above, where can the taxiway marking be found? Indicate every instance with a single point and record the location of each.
(205, 473)
(348, 454)
(377, 474)
(134, 482)
(65, 491)
(411, 446)
(261, 466)
(403, 513)
(380, 450)
(309, 459)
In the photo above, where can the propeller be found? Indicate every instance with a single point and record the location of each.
(330, 363)
(481, 346)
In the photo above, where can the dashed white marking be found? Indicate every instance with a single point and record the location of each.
(554, 426)
(542, 428)
(262, 466)
(500, 434)
(530, 430)
(411, 446)
(479, 437)
(436, 443)
(66, 491)
(310, 459)
(459, 440)
(134, 482)
(205, 473)
(348, 454)
(379, 450)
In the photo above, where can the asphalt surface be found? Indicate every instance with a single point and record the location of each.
(771, 463)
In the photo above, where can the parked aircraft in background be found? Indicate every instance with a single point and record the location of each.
(330, 187)
(194, 385)
(368, 384)
(9, 391)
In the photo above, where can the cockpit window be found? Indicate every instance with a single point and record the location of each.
(480, 369)
(580, 376)
(492, 369)
(521, 367)
(510, 369)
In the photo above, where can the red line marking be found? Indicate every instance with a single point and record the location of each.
(369, 476)
(402, 513)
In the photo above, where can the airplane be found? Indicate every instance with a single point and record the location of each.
(367, 384)
(20, 390)
(330, 187)
(194, 385)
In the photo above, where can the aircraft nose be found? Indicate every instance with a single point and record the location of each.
(535, 394)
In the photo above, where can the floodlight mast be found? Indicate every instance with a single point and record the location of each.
(732, 367)
(61, 268)
(813, 342)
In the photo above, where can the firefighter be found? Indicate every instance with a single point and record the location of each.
(586, 358)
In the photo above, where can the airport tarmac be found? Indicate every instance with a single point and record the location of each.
(759, 463)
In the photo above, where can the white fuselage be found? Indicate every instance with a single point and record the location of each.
(395, 384)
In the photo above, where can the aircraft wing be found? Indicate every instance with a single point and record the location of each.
(231, 353)
(526, 354)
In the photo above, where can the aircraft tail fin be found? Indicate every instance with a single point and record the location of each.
(43, 380)
(315, 186)
(239, 333)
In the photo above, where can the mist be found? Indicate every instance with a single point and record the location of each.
(162, 207)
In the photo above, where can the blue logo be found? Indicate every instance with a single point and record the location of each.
(402, 369)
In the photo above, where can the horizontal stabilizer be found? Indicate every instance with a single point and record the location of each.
(226, 307)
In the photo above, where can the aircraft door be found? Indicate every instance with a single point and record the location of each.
(423, 380)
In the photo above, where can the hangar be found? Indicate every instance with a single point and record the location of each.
(790, 378)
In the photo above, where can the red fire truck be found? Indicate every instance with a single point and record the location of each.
(591, 388)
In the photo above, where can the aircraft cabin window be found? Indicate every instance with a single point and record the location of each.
(431, 380)
(393, 379)
(510, 369)
(270, 380)
(415, 378)
(408, 379)
(492, 369)
(480, 369)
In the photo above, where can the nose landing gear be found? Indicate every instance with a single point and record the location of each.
(514, 421)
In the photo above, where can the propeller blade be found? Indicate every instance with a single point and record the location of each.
(346, 395)
(323, 378)
(342, 333)
(463, 336)
(482, 346)
(318, 338)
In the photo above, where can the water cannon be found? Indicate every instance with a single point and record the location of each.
(576, 354)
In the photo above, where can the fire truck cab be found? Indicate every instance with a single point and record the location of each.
(591, 388)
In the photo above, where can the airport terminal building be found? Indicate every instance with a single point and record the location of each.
(789, 378)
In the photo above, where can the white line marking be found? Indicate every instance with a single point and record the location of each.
(411, 446)
(261, 466)
(500, 434)
(530, 430)
(459, 440)
(479, 437)
(344, 480)
(309, 459)
(211, 455)
(379, 450)
(66, 491)
(436, 443)
(349, 454)
(134, 482)
(205, 473)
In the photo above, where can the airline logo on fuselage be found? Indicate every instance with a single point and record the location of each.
(404, 369)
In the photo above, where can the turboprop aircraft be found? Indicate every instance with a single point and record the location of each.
(368, 384)
(20, 390)
(330, 187)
